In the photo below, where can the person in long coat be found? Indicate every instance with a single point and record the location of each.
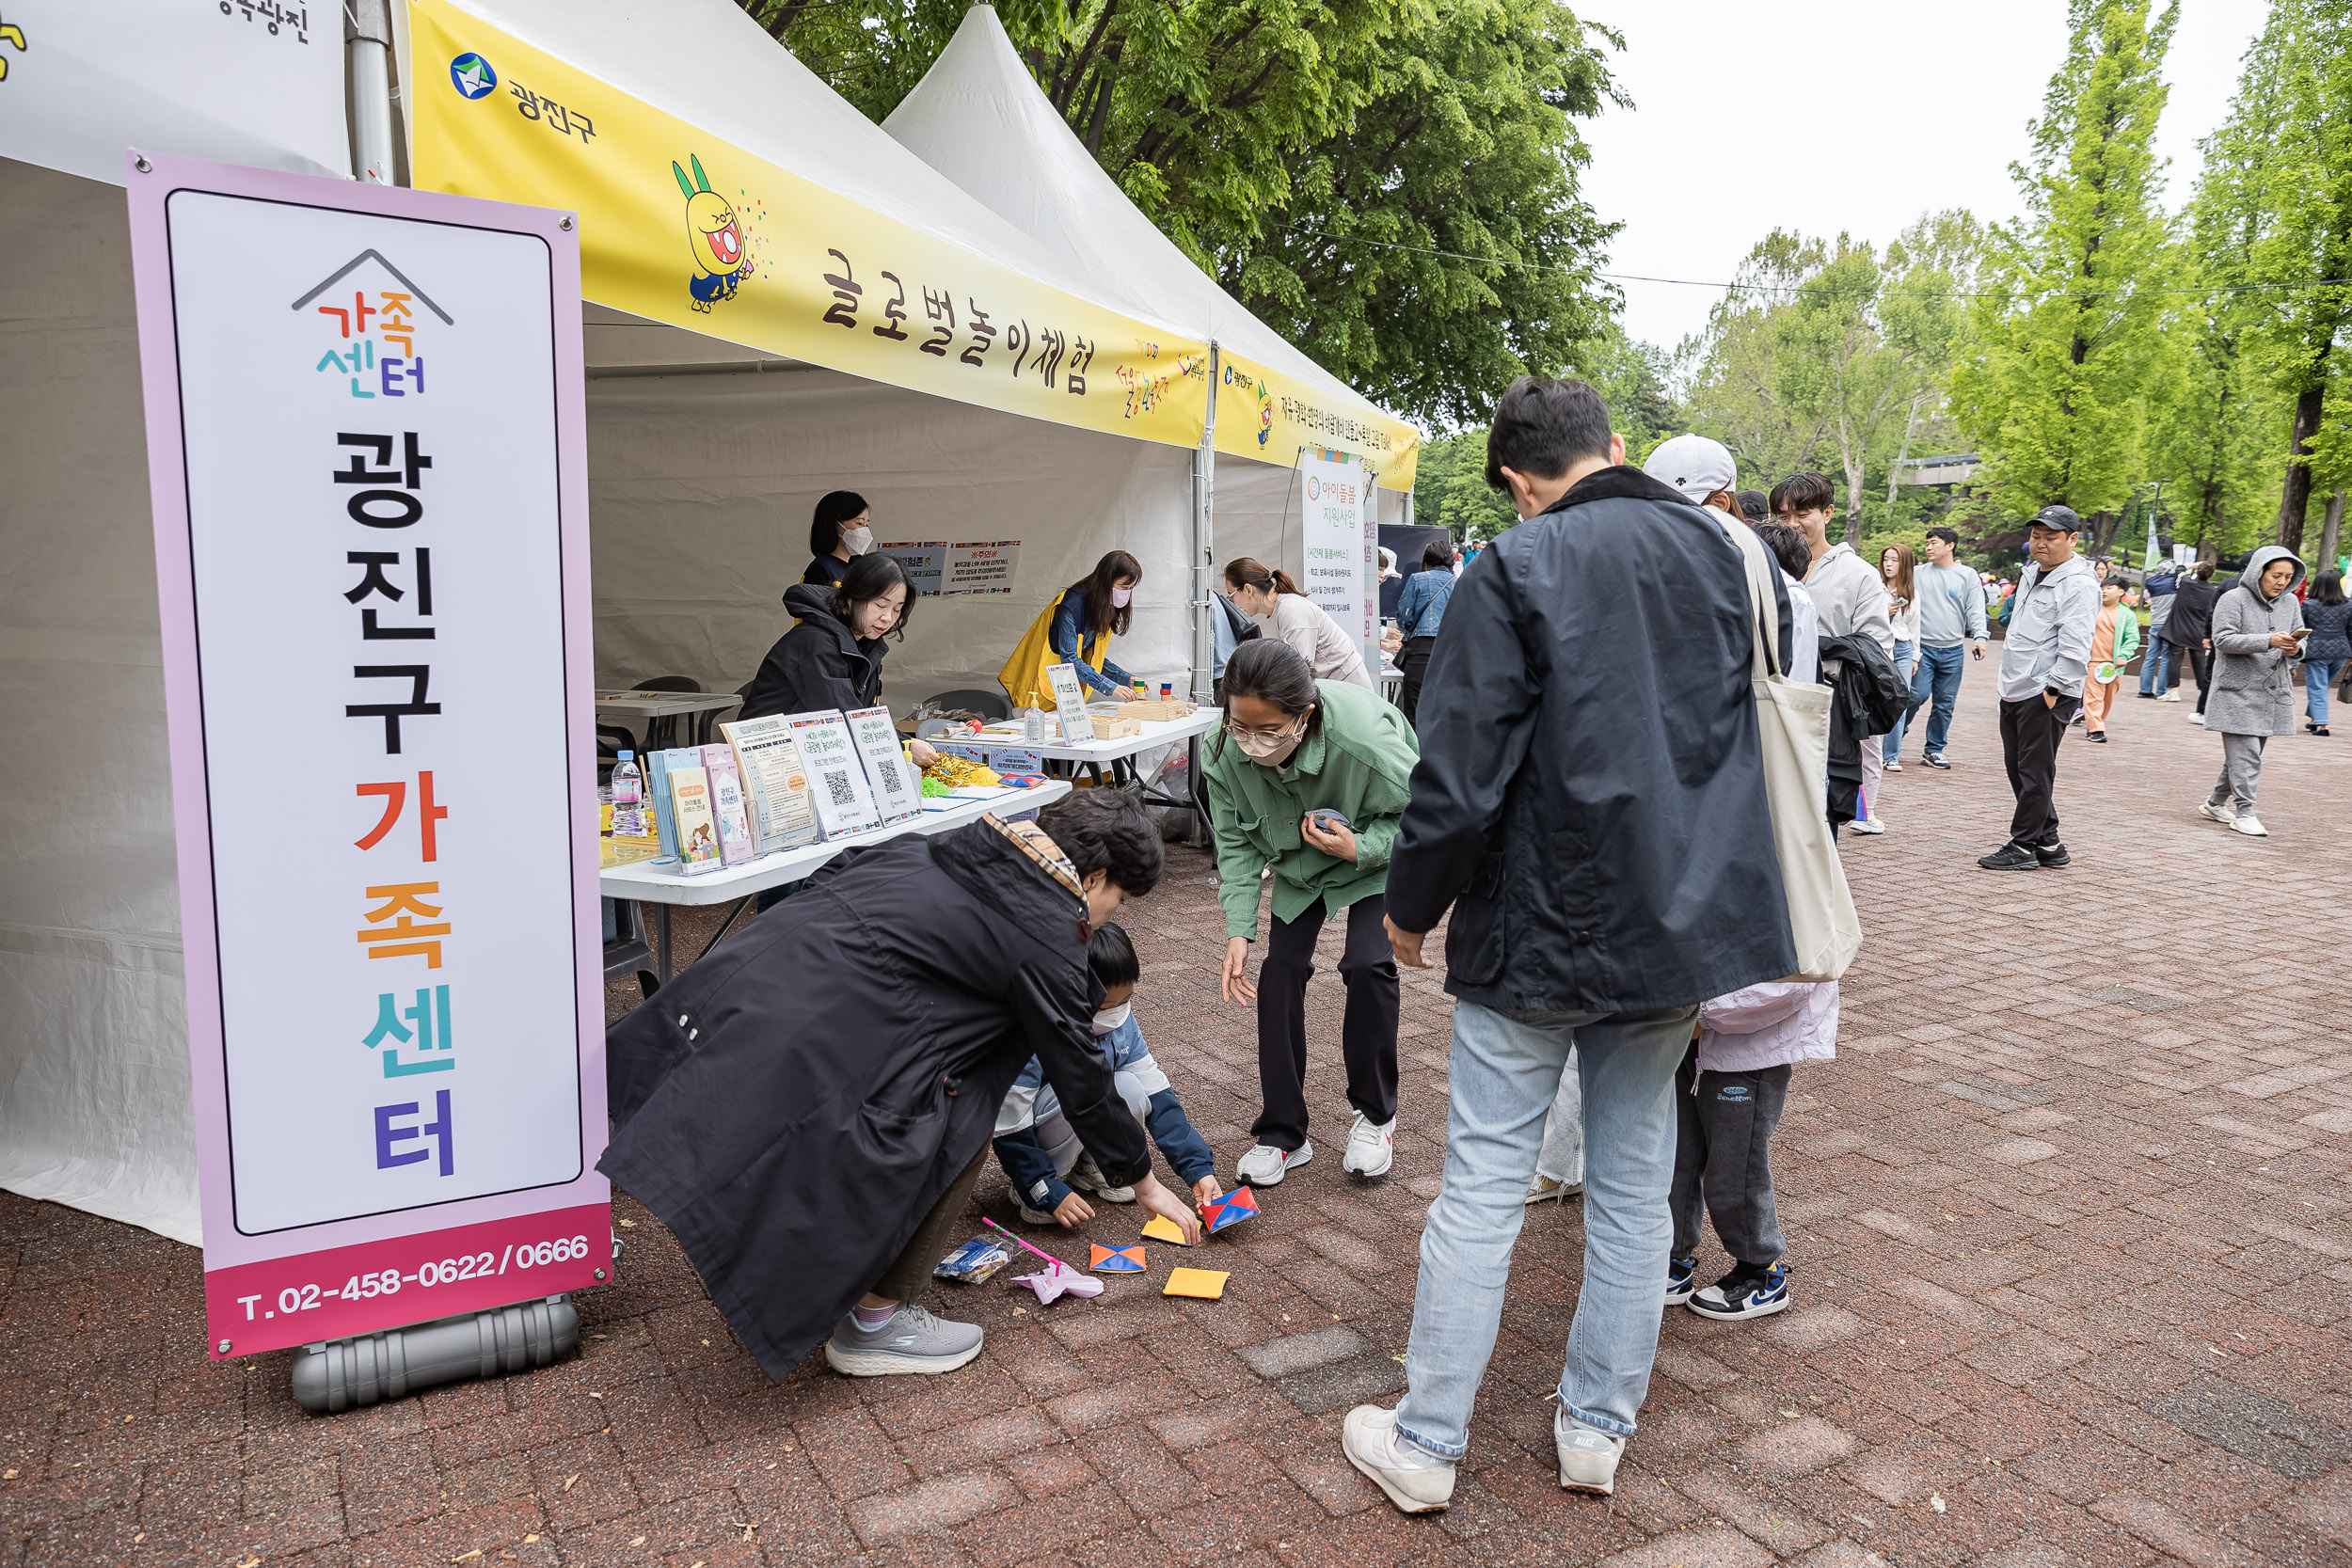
(2254, 650)
(809, 1108)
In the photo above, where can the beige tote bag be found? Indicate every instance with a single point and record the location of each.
(1792, 720)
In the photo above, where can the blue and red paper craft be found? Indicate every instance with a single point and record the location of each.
(1124, 1259)
(1233, 1208)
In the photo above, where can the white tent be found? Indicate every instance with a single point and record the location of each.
(979, 117)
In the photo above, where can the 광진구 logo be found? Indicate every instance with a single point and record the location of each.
(471, 76)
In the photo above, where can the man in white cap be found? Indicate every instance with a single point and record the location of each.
(1701, 469)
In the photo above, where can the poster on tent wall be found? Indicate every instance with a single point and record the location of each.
(1343, 548)
(364, 420)
(260, 82)
(680, 225)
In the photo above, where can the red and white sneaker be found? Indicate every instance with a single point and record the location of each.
(1265, 1165)
(1371, 1147)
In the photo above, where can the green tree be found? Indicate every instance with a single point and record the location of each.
(2054, 381)
(2300, 269)
(1390, 183)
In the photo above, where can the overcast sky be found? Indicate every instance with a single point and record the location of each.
(1841, 115)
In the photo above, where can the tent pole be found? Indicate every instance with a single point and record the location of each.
(1204, 543)
(368, 47)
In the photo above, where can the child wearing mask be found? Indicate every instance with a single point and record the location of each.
(1036, 1145)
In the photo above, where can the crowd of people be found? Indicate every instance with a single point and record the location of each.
(1587, 809)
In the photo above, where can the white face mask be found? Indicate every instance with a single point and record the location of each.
(1271, 750)
(857, 540)
(1111, 1017)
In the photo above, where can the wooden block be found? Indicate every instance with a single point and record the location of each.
(1158, 712)
(1115, 729)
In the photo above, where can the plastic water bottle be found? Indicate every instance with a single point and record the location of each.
(628, 797)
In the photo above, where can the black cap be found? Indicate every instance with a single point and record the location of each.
(2060, 517)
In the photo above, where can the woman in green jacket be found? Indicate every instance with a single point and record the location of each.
(1294, 745)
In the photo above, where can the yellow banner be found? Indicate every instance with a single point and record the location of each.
(1266, 415)
(679, 227)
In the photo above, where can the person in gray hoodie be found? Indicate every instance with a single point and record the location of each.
(2257, 637)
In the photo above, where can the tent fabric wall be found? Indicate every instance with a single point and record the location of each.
(701, 488)
(94, 1107)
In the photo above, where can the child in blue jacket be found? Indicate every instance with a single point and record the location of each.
(1037, 1148)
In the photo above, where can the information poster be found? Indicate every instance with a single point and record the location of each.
(1343, 548)
(981, 567)
(775, 783)
(1070, 706)
(845, 803)
(925, 562)
(896, 792)
(367, 463)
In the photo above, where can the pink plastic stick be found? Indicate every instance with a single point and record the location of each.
(1021, 1245)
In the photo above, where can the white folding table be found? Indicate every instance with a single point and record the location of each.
(665, 886)
(660, 708)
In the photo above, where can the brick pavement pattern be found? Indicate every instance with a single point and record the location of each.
(2066, 1218)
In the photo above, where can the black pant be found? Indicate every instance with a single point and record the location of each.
(905, 1277)
(1367, 1032)
(2030, 738)
(2200, 661)
(1412, 660)
(1723, 1158)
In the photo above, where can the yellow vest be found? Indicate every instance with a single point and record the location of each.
(1024, 672)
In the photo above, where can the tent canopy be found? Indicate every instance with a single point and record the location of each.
(979, 118)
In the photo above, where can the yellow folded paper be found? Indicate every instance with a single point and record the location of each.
(1161, 1229)
(1208, 1284)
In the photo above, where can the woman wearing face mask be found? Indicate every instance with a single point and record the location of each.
(838, 534)
(833, 658)
(1271, 596)
(1076, 630)
(1292, 746)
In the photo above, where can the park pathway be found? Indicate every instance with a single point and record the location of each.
(2068, 1222)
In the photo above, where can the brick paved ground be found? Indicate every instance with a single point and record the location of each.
(2072, 1262)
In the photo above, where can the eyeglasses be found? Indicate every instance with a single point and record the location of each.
(1279, 732)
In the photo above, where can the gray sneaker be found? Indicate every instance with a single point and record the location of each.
(1088, 1178)
(1588, 1459)
(911, 1341)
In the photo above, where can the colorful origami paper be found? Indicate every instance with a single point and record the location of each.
(1233, 1208)
(1124, 1259)
(1059, 1280)
(1161, 1229)
(1208, 1284)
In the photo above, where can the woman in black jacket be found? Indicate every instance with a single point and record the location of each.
(838, 534)
(809, 1107)
(2189, 627)
(831, 659)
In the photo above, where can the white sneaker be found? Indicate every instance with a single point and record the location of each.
(1894, 767)
(2198, 720)
(2212, 813)
(1866, 824)
(1545, 1189)
(1088, 1178)
(1415, 1480)
(1371, 1147)
(1588, 1459)
(2170, 697)
(2243, 822)
(1265, 1165)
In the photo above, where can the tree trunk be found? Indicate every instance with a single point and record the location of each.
(2296, 498)
(1853, 504)
(2331, 531)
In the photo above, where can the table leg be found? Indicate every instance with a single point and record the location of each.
(724, 926)
(1198, 787)
(661, 941)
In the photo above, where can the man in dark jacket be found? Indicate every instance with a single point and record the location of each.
(1590, 802)
(809, 1108)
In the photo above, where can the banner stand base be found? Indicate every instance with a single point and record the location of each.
(344, 1374)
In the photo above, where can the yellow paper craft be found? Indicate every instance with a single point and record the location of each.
(1208, 1284)
(1161, 1229)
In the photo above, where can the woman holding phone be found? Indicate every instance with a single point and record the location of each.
(2258, 635)
(1309, 778)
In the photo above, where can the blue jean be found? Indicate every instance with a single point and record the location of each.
(2318, 675)
(1891, 745)
(1506, 1068)
(1937, 673)
(2160, 662)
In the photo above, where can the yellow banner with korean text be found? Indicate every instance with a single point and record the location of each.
(1263, 413)
(679, 227)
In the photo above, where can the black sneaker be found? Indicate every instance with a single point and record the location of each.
(1935, 759)
(2052, 854)
(1745, 1292)
(2009, 857)
(2098, 736)
(1681, 1279)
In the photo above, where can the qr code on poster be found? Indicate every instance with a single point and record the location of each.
(888, 768)
(838, 787)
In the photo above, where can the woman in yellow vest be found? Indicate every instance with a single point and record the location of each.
(1076, 630)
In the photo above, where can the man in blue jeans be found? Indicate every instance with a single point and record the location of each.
(1605, 877)
(1951, 612)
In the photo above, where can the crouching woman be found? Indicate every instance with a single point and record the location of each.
(808, 1107)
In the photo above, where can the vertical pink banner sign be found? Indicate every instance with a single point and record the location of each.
(366, 448)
